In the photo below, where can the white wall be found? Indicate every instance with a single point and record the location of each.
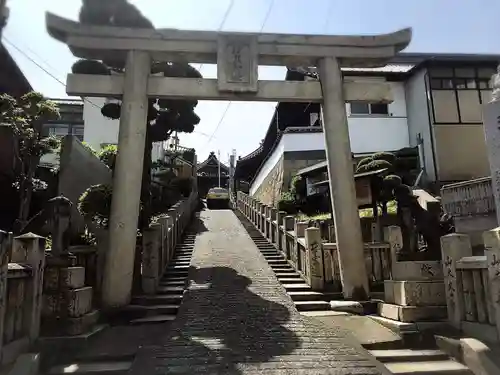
(99, 129)
(368, 134)
(419, 119)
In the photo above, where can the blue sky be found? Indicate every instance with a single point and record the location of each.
(455, 26)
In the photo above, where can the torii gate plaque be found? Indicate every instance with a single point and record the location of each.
(238, 56)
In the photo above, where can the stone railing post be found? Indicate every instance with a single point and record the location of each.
(267, 221)
(173, 214)
(288, 225)
(151, 245)
(170, 238)
(454, 247)
(163, 245)
(491, 240)
(272, 226)
(30, 249)
(280, 215)
(299, 232)
(5, 247)
(253, 217)
(262, 218)
(315, 257)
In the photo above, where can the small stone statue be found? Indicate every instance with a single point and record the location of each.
(495, 85)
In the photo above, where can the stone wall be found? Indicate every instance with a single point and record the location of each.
(269, 191)
(278, 180)
(79, 169)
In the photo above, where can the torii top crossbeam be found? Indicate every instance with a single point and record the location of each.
(98, 42)
(249, 49)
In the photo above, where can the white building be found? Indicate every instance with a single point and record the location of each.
(100, 131)
(437, 111)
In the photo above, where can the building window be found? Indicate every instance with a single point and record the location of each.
(458, 93)
(363, 108)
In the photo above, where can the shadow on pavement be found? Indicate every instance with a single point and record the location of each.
(222, 326)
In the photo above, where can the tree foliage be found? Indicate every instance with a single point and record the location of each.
(164, 116)
(26, 117)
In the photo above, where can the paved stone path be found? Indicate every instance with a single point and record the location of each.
(237, 319)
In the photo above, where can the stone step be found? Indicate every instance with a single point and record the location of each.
(307, 296)
(176, 273)
(183, 258)
(180, 264)
(148, 310)
(158, 299)
(168, 278)
(92, 368)
(281, 262)
(291, 280)
(297, 287)
(428, 368)
(312, 305)
(288, 274)
(170, 289)
(153, 319)
(173, 283)
(175, 267)
(288, 270)
(409, 355)
(274, 257)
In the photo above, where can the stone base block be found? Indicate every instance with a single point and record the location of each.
(409, 314)
(70, 326)
(57, 278)
(415, 293)
(417, 270)
(72, 303)
(353, 307)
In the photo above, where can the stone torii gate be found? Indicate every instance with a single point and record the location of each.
(237, 56)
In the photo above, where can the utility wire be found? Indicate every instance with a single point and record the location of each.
(229, 104)
(42, 68)
(226, 15)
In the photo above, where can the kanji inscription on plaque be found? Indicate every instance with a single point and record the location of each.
(237, 63)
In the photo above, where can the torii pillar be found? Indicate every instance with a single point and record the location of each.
(237, 56)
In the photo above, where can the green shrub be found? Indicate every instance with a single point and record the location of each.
(288, 203)
(95, 204)
(108, 155)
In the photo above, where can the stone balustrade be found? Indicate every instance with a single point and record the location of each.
(472, 205)
(22, 262)
(306, 246)
(469, 198)
(159, 241)
(472, 284)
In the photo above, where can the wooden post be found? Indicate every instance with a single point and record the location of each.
(119, 269)
(343, 193)
(454, 247)
(314, 252)
(491, 240)
(30, 249)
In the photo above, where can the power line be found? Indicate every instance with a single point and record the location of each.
(43, 69)
(229, 104)
(226, 15)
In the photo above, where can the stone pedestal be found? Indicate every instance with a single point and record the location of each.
(67, 308)
(416, 291)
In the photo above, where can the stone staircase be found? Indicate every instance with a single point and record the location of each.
(163, 306)
(305, 299)
(143, 311)
(419, 362)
